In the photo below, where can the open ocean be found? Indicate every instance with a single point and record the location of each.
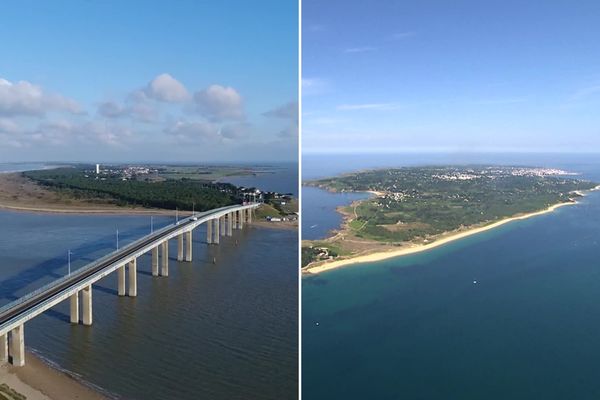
(511, 313)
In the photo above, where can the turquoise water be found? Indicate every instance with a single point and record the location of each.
(512, 313)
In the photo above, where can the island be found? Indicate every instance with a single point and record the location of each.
(416, 208)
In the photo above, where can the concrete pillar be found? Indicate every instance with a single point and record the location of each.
(86, 300)
(242, 218)
(188, 242)
(155, 261)
(180, 247)
(222, 224)
(75, 308)
(230, 224)
(121, 280)
(133, 278)
(17, 346)
(165, 259)
(3, 348)
(216, 238)
(209, 225)
(250, 215)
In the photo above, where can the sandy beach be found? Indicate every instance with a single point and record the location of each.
(378, 256)
(39, 381)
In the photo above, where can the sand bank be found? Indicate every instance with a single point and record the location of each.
(286, 225)
(79, 209)
(378, 256)
(39, 381)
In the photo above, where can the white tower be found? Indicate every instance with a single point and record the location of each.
(97, 169)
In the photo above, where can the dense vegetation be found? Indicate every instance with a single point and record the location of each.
(319, 252)
(416, 203)
(168, 194)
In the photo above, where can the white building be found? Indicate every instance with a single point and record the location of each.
(97, 169)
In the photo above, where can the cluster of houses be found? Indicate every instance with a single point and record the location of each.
(125, 173)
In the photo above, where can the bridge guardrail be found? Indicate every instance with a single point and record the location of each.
(94, 263)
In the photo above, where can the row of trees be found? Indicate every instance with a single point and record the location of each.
(170, 194)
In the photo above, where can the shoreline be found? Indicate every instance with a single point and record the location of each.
(413, 249)
(82, 210)
(42, 380)
(275, 225)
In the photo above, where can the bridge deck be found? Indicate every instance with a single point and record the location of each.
(34, 303)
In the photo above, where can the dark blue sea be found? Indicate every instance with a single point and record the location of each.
(511, 313)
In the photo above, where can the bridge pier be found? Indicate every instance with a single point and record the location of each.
(17, 346)
(180, 247)
(209, 225)
(249, 214)
(3, 348)
(229, 224)
(133, 278)
(86, 299)
(241, 219)
(121, 280)
(188, 242)
(217, 234)
(222, 224)
(75, 308)
(165, 258)
(155, 261)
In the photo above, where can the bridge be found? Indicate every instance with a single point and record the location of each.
(219, 222)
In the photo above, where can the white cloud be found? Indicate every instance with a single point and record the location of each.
(508, 100)
(359, 49)
(289, 112)
(202, 132)
(110, 109)
(25, 98)
(168, 89)
(220, 103)
(314, 86)
(8, 126)
(194, 131)
(234, 131)
(137, 106)
(291, 132)
(371, 106)
(585, 92)
(286, 111)
(64, 132)
(403, 35)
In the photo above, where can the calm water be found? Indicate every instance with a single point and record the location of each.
(282, 178)
(319, 217)
(220, 331)
(418, 327)
(17, 167)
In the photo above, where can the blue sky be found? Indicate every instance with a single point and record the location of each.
(165, 81)
(390, 76)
